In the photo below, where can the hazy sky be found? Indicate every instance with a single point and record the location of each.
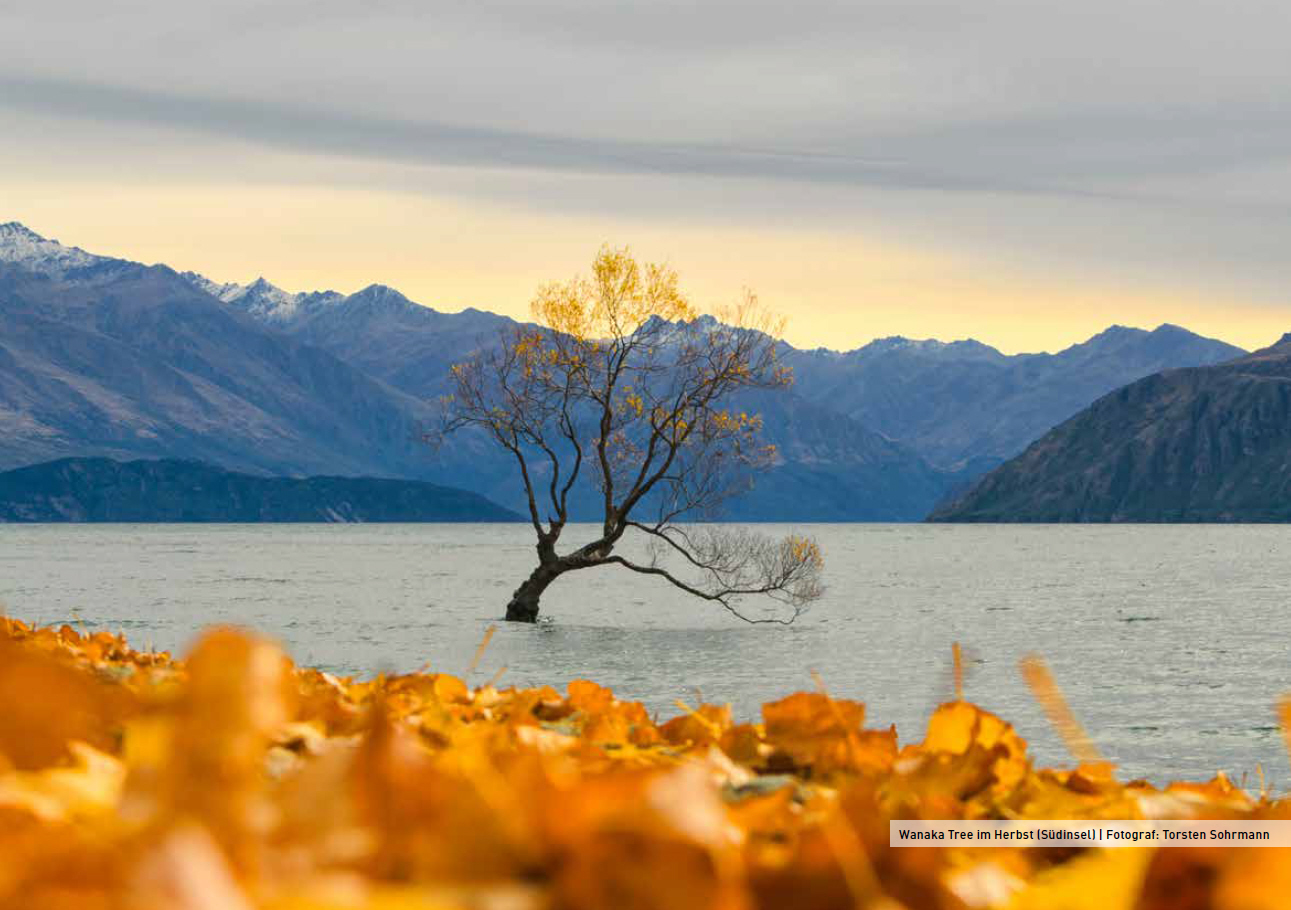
(1021, 171)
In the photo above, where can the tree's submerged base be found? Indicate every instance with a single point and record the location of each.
(522, 611)
(523, 606)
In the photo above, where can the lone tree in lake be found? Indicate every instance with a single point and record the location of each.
(623, 390)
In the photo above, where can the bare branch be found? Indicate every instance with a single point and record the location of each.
(723, 597)
(736, 562)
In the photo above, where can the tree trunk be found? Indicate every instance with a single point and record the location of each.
(523, 606)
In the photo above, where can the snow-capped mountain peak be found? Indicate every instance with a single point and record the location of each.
(225, 292)
(261, 298)
(964, 349)
(20, 244)
(378, 290)
(18, 229)
(381, 295)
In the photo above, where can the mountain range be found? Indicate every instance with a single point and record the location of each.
(1203, 444)
(965, 404)
(106, 357)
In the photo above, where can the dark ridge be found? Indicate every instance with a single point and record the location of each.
(172, 490)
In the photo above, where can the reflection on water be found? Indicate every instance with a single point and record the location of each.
(1168, 641)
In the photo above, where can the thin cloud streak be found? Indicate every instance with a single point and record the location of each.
(432, 143)
(1095, 154)
(389, 139)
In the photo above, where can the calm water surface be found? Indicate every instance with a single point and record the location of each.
(1170, 642)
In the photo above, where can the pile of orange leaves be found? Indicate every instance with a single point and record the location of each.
(232, 780)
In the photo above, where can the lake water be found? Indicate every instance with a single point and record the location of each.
(1171, 643)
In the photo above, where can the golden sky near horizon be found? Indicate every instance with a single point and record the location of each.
(837, 289)
(1024, 172)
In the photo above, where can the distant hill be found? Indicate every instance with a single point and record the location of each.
(1190, 445)
(966, 405)
(103, 490)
